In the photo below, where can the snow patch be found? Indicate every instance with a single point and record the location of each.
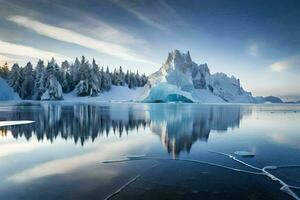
(54, 91)
(115, 94)
(6, 92)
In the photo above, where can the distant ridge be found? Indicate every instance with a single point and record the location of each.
(273, 99)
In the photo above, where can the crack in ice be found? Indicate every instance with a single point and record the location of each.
(122, 187)
(262, 171)
(285, 187)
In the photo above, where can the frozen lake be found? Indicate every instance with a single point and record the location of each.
(61, 155)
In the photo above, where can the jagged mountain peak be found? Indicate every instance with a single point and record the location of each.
(188, 57)
(178, 60)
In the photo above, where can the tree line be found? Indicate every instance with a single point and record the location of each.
(79, 122)
(48, 82)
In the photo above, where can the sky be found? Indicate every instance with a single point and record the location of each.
(256, 41)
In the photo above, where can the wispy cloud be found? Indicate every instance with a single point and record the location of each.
(155, 14)
(26, 51)
(144, 18)
(97, 27)
(289, 63)
(73, 37)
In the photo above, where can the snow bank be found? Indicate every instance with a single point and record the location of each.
(6, 92)
(54, 91)
(116, 94)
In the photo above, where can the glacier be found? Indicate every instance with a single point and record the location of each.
(180, 79)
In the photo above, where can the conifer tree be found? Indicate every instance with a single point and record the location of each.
(40, 80)
(4, 71)
(28, 83)
(15, 79)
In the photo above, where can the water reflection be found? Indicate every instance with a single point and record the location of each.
(178, 126)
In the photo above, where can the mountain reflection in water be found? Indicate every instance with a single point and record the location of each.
(177, 125)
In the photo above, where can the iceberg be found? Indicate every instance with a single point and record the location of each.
(182, 80)
(165, 92)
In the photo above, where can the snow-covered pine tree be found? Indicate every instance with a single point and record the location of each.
(50, 70)
(54, 90)
(74, 73)
(15, 79)
(83, 71)
(138, 79)
(114, 77)
(58, 73)
(101, 75)
(53, 87)
(40, 80)
(28, 83)
(69, 83)
(121, 77)
(94, 79)
(83, 87)
(132, 80)
(66, 76)
(96, 69)
(4, 71)
(127, 79)
(106, 80)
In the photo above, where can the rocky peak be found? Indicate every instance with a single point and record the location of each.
(178, 60)
(188, 58)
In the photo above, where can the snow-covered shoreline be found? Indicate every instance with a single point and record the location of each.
(179, 79)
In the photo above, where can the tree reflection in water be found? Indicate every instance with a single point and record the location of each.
(178, 125)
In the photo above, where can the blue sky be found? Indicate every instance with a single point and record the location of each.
(256, 41)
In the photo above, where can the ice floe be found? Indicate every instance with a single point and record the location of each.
(12, 123)
(244, 153)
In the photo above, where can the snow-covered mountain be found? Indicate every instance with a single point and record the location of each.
(6, 92)
(181, 79)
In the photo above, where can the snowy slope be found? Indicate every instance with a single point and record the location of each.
(6, 92)
(115, 94)
(229, 89)
(181, 79)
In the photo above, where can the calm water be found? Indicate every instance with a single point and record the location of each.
(60, 156)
